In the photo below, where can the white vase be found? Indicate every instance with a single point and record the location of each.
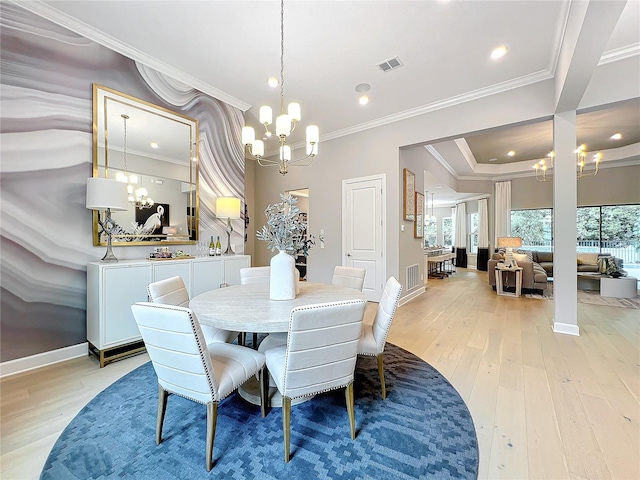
(282, 282)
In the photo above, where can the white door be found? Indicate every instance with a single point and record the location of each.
(363, 227)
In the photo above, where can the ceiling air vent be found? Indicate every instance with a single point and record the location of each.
(390, 64)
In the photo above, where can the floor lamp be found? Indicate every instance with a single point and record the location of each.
(228, 207)
(509, 243)
(107, 194)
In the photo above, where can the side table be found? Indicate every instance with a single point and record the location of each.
(500, 284)
(622, 287)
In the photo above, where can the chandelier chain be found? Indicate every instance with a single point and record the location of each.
(126, 117)
(282, 57)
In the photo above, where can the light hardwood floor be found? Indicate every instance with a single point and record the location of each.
(544, 405)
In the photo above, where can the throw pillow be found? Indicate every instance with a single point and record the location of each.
(579, 262)
(612, 266)
(603, 262)
(528, 253)
(521, 257)
(588, 258)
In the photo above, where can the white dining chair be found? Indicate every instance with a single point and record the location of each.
(374, 336)
(320, 355)
(172, 291)
(254, 275)
(349, 277)
(185, 365)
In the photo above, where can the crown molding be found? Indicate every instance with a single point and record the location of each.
(620, 54)
(507, 85)
(558, 37)
(81, 28)
(431, 149)
(463, 146)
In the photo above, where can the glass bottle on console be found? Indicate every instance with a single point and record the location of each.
(218, 246)
(212, 247)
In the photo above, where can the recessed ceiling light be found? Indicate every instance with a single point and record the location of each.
(616, 136)
(498, 52)
(273, 82)
(154, 145)
(493, 159)
(511, 153)
(363, 100)
(363, 87)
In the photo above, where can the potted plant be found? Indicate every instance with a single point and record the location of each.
(285, 231)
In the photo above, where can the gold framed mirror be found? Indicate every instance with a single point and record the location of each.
(154, 150)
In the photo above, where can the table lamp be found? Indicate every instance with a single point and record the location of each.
(228, 207)
(509, 243)
(107, 194)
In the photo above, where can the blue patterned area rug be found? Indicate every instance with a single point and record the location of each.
(422, 430)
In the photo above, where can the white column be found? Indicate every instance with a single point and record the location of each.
(565, 204)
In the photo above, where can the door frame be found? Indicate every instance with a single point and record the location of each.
(383, 222)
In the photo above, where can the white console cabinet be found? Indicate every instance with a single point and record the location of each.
(113, 287)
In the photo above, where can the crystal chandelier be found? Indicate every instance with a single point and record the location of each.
(581, 154)
(285, 125)
(138, 197)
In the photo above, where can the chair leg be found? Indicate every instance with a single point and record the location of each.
(162, 408)
(381, 373)
(264, 391)
(348, 393)
(242, 339)
(286, 425)
(212, 417)
(255, 341)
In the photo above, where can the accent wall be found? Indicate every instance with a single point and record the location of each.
(46, 150)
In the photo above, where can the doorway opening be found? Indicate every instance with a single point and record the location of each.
(302, 195)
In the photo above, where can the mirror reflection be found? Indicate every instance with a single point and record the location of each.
(154, 151)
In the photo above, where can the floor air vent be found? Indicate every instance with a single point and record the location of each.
(413, 276)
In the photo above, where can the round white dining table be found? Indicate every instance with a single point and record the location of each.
(247, 308)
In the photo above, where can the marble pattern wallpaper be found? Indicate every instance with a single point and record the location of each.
(47, 74)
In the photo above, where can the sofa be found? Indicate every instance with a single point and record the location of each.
(537, 266)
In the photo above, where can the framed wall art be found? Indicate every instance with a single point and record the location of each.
(408, 201)
(418, 224)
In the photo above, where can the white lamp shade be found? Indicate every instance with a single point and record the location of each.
(248, 135)
(227, 207)
(509, 242)
(257, 149)
(266, 115)
(283, 125)
(313, 134)
(294, 111)
(103, 193)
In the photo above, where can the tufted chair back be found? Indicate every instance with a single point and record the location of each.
(349, 277)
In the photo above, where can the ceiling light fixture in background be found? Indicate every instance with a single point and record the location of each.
(285, 125)
(616, 136)
(581, 154)
(138, 197)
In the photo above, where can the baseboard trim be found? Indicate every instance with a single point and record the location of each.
(567, 328)
(410, 296)
(21, 365)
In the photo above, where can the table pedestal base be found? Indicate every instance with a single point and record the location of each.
(250, 391)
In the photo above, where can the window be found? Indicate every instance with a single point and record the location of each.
(430, 233)
(447, 231)
(613, 229)
(473, 236)
(534, 226)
